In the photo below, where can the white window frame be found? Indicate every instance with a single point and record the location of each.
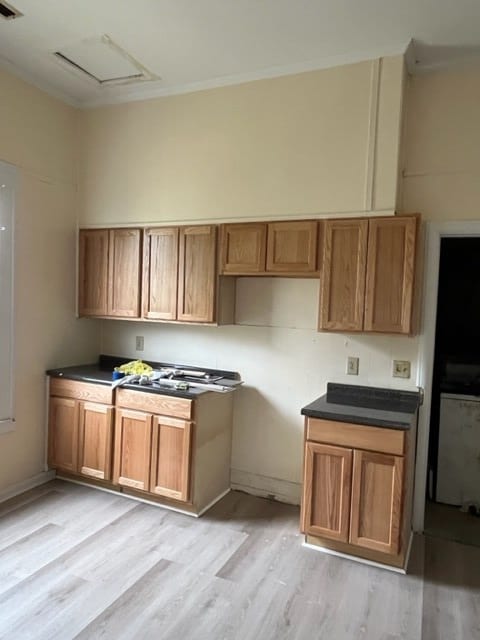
(8, 178)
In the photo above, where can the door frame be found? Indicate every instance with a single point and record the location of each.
(434, 232)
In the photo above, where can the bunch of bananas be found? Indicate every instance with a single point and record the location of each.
(135, 367)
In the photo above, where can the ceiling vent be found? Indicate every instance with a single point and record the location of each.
(8, 12)
(103, 61)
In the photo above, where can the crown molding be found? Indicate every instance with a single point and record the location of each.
(46, 87)
(156, 90)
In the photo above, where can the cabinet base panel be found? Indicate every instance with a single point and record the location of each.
(397, 563)
(181, 507)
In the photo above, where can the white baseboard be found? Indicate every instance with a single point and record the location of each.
(20, 487)
(339, 554)
(266, 487)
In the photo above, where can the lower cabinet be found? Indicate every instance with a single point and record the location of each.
(133, 437)
(171, 456)
(327, 489)
(152, 453)
(376, 511)
(95, 432)
(164, 448)
(80, 431)
(63, 434)
(355, 500)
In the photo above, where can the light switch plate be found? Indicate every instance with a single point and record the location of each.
(352, 366)
(139, 343)
(401, 369)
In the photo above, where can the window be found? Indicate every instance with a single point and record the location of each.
(7, 192)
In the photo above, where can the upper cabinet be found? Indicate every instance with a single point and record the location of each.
(109, 273)
(366, 269)
(179, 274)
(390, 274)
(292, 247)
(93, 272)
(367, 275)
(124, 268)
(342, 295)
(174, 278)
(244, 248)
(197, 274)
(274, 248)
(160, 273)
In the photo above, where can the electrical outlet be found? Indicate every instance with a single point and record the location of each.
(139, 343)
(401, 369)
(352, 366)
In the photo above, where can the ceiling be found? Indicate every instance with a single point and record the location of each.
(173, 46)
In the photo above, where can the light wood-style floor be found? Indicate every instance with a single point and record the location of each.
(80, 563)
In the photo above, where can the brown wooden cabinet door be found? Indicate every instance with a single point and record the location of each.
(133, 439)
(342, 284)
(160, 273)
(390, 274)
(171, 451)
(124, 262)
(63, 434)
(93, 272)
(377, 488)
(95, 430)
(197, 275)
(244, 248)
(292, 247)
(326, 491)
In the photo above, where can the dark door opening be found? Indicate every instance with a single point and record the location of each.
(453, 488)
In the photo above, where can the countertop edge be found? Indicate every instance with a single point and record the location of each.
(360, 420)
(174, 393)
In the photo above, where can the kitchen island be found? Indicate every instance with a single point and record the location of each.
(359, 452)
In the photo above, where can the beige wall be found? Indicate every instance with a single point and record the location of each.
(299, 145)
(38, 134)
(284, 362)
(442, 159)
(321, 142)
(324, 142)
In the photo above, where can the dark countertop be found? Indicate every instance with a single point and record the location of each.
(101, 373)
(372, 406)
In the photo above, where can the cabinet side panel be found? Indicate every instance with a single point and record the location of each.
(212, 447)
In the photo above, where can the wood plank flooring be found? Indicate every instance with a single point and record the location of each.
(76, 563)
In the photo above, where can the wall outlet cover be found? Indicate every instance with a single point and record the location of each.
(352, 366)
(139, 343)
(401, 369)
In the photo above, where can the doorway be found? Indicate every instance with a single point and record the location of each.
(452, 506)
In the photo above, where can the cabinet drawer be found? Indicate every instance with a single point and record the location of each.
(81, 390)
(356, 436)
(155, 403)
